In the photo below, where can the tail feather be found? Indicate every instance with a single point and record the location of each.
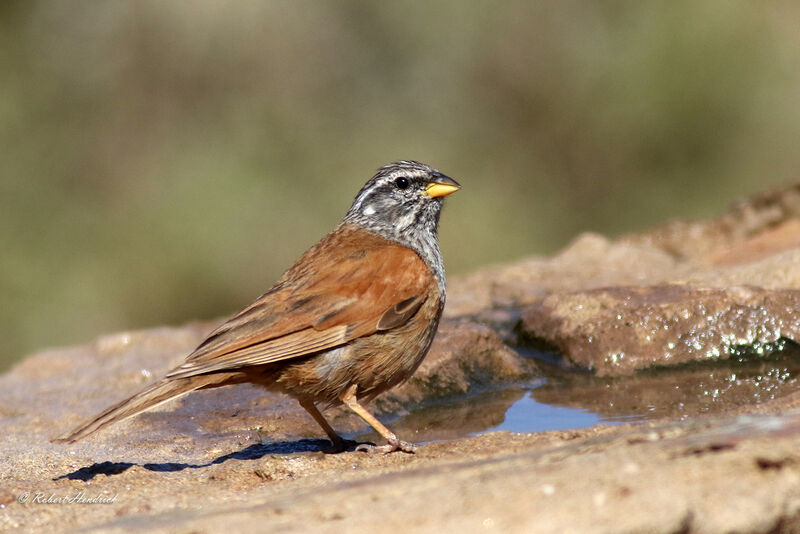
(151, 396)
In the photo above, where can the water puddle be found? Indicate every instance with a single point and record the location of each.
(567, 399)
(530, 415)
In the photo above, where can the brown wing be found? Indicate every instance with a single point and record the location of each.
(350, 284)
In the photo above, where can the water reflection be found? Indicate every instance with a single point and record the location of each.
(530, 415)
(682, 391)
(568, 399)
(455, 418)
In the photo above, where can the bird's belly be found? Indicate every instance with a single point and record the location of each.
(374, 363)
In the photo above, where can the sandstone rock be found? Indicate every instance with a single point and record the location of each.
(744, 384)
(754, 227)
(688, 291)
(590, 261)
(622, 329)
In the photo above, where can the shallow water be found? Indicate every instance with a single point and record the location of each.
(566, 399)
(529, 415)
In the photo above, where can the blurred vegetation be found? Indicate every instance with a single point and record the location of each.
(165, 161)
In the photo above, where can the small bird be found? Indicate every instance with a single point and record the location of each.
(353, 317)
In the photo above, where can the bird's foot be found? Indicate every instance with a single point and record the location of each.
(392, 446)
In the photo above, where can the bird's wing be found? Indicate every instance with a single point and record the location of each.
(362, 286)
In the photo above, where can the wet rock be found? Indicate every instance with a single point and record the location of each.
(455, 417)
(740, 385)
(687, 291)
(619, 330)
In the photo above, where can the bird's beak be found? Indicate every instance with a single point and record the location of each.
(441, 186)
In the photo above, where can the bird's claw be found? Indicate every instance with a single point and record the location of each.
(392, 446)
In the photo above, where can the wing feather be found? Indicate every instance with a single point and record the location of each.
(289, 346)
(369, 283)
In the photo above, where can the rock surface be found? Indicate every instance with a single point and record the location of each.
(676, 329)
(622, 329)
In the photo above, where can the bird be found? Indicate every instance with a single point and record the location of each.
(353, 317)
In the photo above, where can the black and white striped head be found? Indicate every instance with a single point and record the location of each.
(403, 198)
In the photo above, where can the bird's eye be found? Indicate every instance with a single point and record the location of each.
(402, 183)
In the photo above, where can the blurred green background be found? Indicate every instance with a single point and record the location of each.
(165, 161)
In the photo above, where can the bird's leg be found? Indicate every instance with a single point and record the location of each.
(394, 444)
(339, 444)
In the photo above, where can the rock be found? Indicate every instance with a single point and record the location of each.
(753, 228)
(591, 261)
(743, 384)
(623, 329)
(688, 291)
(733, 474)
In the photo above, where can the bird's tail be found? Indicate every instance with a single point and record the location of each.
(149, 397)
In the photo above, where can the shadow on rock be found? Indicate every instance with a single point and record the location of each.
(251, 452)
